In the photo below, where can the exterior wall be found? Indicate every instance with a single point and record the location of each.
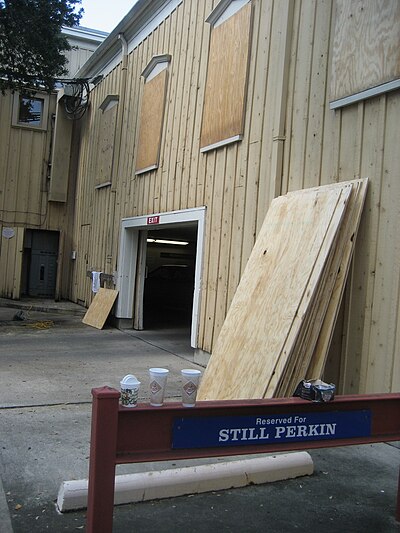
(24, 172)
(291, 140)
(324, 146)
(25, 162)
(84, 42)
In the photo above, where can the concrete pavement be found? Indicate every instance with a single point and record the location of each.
(48, 364)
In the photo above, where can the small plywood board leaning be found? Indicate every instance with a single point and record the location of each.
(279, 308)
(100, 308)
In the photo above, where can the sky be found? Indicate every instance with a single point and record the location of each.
(104, 14)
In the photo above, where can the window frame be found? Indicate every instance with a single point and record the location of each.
(18, 96)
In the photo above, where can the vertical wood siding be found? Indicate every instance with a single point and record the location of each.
(292, 140)
(327, 146)
(24, 170)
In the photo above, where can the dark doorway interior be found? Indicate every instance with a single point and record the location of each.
(169, 281)
(39, 268)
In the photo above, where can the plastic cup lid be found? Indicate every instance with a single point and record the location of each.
(130, 380)
(159, 370)
(191, 371)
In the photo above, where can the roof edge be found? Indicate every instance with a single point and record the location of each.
(109, 53)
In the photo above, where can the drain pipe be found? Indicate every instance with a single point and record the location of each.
(279, 136)
(117, 147)
(121, 107)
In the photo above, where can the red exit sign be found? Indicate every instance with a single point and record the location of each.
(153, 220)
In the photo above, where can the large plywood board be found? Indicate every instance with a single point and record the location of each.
(106, 144)
(312, 301)
(348, 239)
(310, 354)
(366, 50)
(151, 121)
(275, 293)
(100, 308)
(226, 79)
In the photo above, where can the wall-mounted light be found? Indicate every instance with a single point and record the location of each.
(164, 241)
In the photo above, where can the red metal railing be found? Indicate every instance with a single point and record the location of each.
(123, 435)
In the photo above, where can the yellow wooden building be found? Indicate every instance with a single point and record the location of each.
(199, 114)
(35, 227)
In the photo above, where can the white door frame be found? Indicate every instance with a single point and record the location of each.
(128, 250)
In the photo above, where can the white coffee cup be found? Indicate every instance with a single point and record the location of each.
(190, 384)
(158, 381)
(129, 390)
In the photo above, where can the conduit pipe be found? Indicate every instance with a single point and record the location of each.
(113, 243)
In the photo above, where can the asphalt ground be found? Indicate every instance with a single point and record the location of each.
(49, 362)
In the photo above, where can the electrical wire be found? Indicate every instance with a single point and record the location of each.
(77, 103)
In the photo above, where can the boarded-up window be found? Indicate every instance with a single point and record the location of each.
(366, 50)
(105, 154)
(224, 102)
(152, 113)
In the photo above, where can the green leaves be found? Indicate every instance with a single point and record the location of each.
(31, 43)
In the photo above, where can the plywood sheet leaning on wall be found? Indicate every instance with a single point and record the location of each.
(348, 236)
(284, 293)
(310, 356)
(100, 308)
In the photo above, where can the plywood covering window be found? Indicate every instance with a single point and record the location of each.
(226, 85)
(366, 51)
(152, 113)
(105, 154)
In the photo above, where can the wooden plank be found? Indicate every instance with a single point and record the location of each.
(275, 132)
(317, 94)
(5, 253)
(19, 250)
(100, 308)
(269, 295)
(181, 107)
(304, 313)
(196, 162)
(225, 240)
(385, 306)
(215, 205)
(320, 354)
(191, 90)
(323, 318)
(361, 318)
(301, 96)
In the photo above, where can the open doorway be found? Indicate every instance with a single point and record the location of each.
(169, 276)
(158, 276)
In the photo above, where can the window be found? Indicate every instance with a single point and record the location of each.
(226, 84)
(105, 153)
(30, 111)
(366, 52)
(152, 113)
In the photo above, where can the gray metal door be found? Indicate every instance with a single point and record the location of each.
(43, 268)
